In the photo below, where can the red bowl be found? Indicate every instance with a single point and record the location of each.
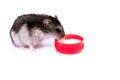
(70, 48)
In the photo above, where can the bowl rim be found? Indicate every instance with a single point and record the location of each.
(77, 46)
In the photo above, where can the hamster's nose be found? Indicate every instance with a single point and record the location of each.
(62, 36)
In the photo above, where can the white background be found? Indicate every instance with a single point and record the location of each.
(98, 21)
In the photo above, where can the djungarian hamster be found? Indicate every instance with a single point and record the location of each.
(29, 30)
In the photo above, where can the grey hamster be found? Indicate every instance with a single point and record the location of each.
(29, 30)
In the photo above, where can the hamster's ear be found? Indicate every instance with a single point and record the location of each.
(55, 17)
(47, 21)
(47, 24)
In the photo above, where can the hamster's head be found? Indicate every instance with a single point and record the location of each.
(53, 27)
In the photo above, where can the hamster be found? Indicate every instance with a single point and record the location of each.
(29, 30)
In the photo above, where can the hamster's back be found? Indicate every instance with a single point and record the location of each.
(28, 19)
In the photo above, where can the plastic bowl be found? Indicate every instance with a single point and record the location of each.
(71, 48)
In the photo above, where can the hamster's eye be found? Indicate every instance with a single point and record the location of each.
(58, 30)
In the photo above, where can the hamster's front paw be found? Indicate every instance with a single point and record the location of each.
(32, 48)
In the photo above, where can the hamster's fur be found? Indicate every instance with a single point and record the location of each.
(29, 30)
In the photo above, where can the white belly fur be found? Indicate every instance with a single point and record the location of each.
(22, 38)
